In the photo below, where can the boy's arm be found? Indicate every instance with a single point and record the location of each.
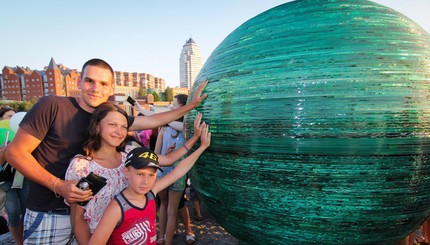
(160, 119)
(169, 159)
(185, 165)
(80, 225)
(110, 218)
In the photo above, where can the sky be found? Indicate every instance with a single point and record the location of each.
(133, 35)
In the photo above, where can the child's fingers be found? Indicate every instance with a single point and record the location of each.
(198, 117)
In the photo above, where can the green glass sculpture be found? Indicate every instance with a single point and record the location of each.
(320, 119)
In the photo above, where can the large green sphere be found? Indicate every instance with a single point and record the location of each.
(320, 120)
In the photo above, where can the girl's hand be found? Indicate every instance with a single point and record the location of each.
(205, 138)
(197, 125)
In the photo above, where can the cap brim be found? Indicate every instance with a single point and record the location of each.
(145, 165)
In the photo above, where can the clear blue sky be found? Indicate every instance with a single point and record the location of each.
(133, 35)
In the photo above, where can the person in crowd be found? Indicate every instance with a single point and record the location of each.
(51, 134)
(153, 138)
(16, 194)
(169, 137)
(142, 136)
(426, 230)
(6, 112)
(3, 224)
(105, 156)
(131, 217)
(184, 213)
(16, 200)
(420, 236)
(195, 196)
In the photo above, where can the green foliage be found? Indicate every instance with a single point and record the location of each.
(20, 105)
(168, 94)
(157, 97)
(142, 93)
(162, 96)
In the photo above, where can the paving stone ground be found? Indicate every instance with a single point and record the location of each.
(207, 231)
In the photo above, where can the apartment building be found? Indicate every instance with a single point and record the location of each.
(22, 84)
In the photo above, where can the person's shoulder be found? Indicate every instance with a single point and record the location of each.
(128, 148)
(79, 162)
(80, 157)
(58, 100)
(150, 195)
(78, 167)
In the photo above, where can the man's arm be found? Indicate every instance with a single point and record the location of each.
(185, 165)
(160, 119)
(18, 154)
(179, 126)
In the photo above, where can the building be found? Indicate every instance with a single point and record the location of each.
(190, 64)
(23, 84)
(176, 91)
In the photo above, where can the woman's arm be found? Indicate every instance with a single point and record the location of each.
(167, 160)
(140, 109)
(159, 142)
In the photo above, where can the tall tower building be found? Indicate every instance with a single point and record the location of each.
(190, 64)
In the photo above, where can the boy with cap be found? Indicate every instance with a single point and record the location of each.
(131, 217)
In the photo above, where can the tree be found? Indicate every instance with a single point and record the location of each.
(20, 105)
(156, 96)
(142, 92)
(169, 94)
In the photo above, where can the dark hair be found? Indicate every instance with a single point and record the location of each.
(93, 142)
(5, 109)
(182, 99)
(99, 63)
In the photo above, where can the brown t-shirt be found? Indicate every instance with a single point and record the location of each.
(61, 125)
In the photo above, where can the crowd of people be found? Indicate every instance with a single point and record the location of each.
(130, 165)
(16, 193)
(63, 139)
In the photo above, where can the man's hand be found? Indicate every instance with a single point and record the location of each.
(71, 193)
(198, 98)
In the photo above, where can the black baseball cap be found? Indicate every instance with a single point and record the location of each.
(142, 157)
